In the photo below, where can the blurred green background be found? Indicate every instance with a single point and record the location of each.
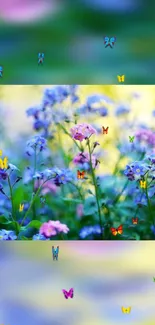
(71, 33)
(105, 277)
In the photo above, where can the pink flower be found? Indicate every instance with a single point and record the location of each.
(22, 11)
(79, 210)
(48, 187)
(82, 131)
(83, 157)
(52, 228)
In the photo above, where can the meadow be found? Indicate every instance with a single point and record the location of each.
(77, 162)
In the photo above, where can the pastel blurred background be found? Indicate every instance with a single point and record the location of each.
(105, 276)
(70, 33)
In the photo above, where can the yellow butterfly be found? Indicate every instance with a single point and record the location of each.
(121, 78)
(4, 163)
(126, 310)
(143, 184)
(21, 207)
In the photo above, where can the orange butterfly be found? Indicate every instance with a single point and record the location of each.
(105, 131)
(134, 221)
(80, 175)
(116, 231)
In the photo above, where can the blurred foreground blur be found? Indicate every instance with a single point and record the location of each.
(71, 35)
(105, 276)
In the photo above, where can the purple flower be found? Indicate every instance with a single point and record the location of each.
(82, 131)
(52, 228)
(146, 136)
(7, 235)
(3, 174)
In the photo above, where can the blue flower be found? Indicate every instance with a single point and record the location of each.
(34, 111)
(7, 235)
(153, 229)
(103, 111)
(39, 237)
(90, 231)
(151, 158)
(3, 174)
(153, 113)
(55, 95)
(120, 110)
(72, 92)
(135, 170)
(36, 143)
(62, 176)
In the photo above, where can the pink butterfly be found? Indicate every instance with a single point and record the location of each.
(69, 293)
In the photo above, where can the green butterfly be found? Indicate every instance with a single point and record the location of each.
(153, 279)
(131, 138)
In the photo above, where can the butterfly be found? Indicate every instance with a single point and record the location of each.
(105, 131)
(121, 78)
(109, 41)
(126, 310)
(80, 175)
(68, 294)
(21, 207)
(131, 138)
(153, 279)
(41, 57)
(116, 231)
(55, 252)
(134, 221)
(143, 184)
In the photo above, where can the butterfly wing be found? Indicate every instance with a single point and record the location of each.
(106, 39)
(122, 309)
(66, 293)
(82, 174)
(120, 229)
(71, 293)
(114, 231)
(78, 174)
(57, 250)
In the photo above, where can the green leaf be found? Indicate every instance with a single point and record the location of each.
(35, 224)
(3, 220)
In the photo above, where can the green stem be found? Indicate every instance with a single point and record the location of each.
(35, 167)
(148, 202)
(32, 202)
(11, 197)
(96, 189)
(119, 195)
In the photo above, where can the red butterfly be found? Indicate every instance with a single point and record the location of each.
(134, 221)
(80, 175)
(105, 131)
(116, 231)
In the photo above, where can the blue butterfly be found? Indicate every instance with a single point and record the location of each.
(109, 41)
(55, 252)
(1, 71)
(41, 57)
